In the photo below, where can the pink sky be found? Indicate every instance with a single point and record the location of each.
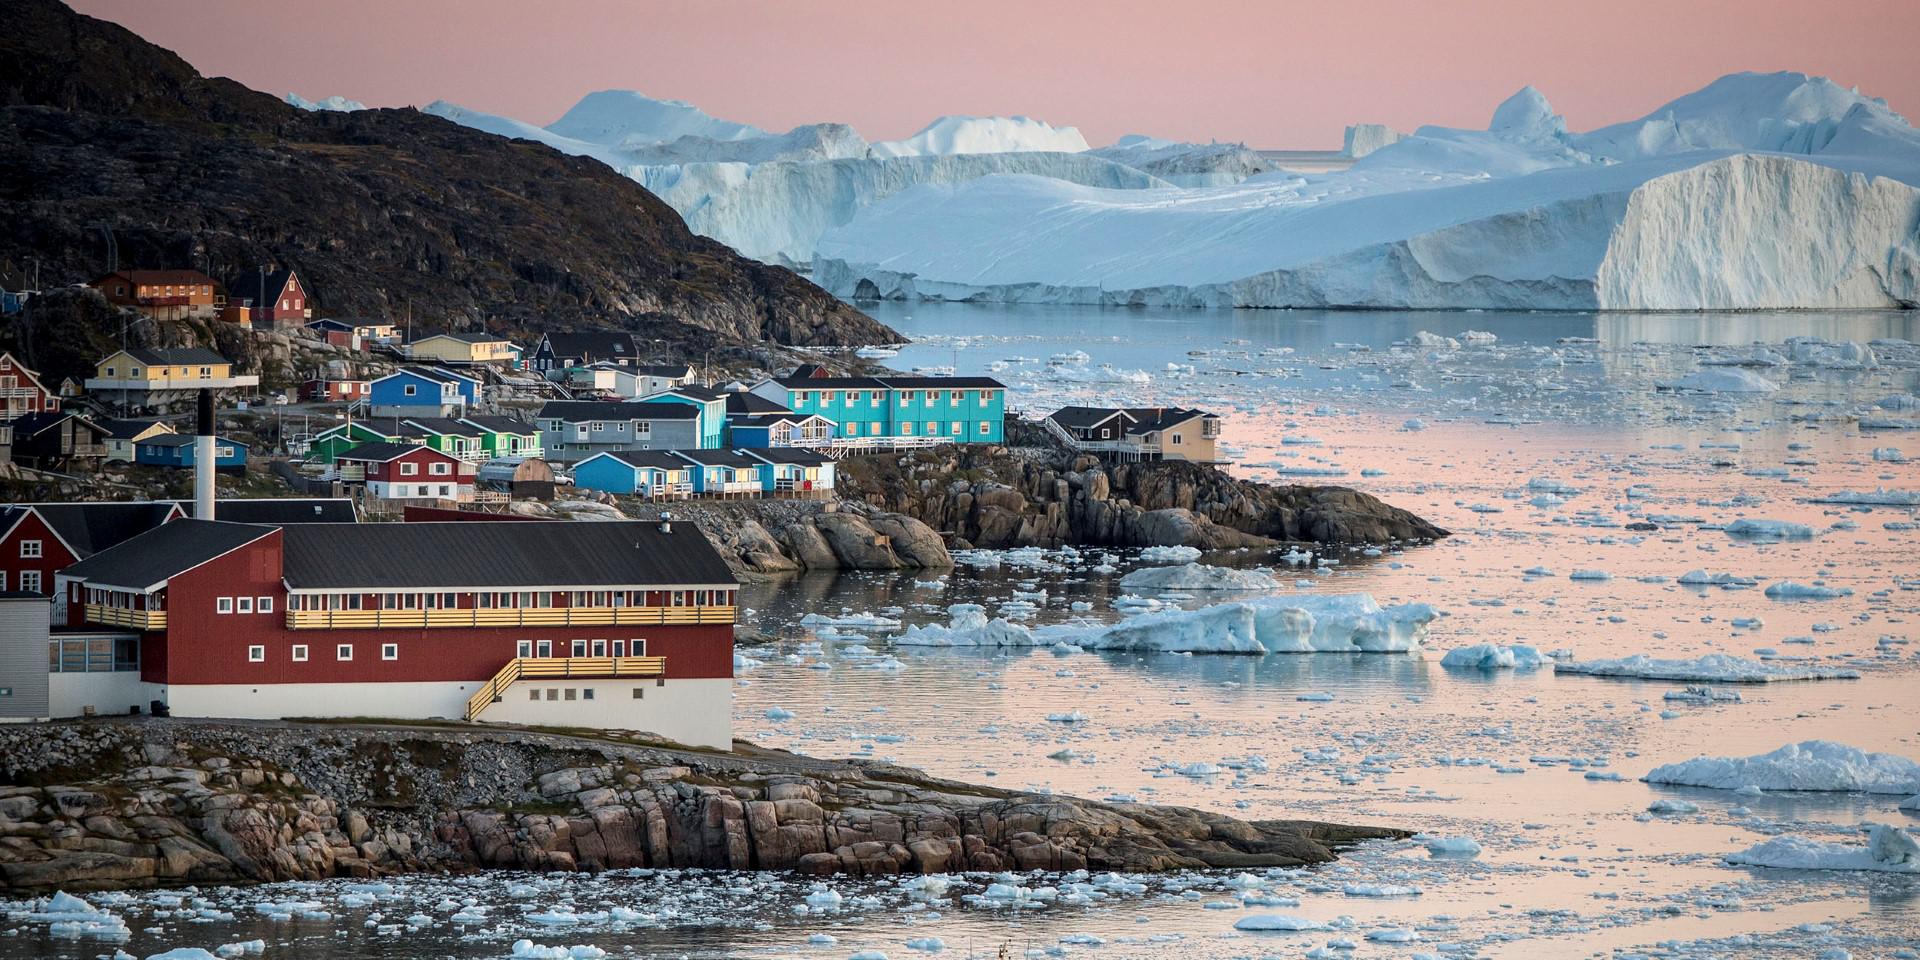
(1273, 74)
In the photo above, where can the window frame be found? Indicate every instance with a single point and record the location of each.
(343, 652)
(257, 653)
(223, 605)
(299, 653)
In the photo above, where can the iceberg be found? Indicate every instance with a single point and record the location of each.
(1712, 668)
(1353, 623)
(1187, 164)
(1197, 576)
(1488, 656)
(1523, 214)
(1722, 380)
(1769, 530)
(954, 135)
(1795, 590)
(1888, 849)
(1812, 765)
(336, 104)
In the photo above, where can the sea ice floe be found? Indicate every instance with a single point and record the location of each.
(1488, 656)
(1809, 765)
(1197, 576)
(1291, 624)
(1175, 554)
(1795, 590)
(1888, 849)
(1712, 668)
(1769, 530)
(1277, 923)
(1722, 380)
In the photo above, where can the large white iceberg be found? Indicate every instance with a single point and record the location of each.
(1351, 623)
(951, 135)
(1810, 208)
(1809, 765)
(1888, 849)
(1197, 576)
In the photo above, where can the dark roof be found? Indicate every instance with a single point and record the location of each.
(89, 528)
(1160, 418)
(328, 323)
(591, 343)
(809, 370)
(574, 411)
(166, 551)
(767, 419)
(793, 455)
(451, 555)
(184, 440)
(501, 424)
(175, 356)
(719, 458)
(126, 429)
(694, 392)
(383, 451)
(647, 458)
(175, 277)
(277, 511)
(669, 370)
(29, 425)
(1085, 416)
(442, 426)
(824, 382)
(944, 383)
(258, 287)
(740, 401)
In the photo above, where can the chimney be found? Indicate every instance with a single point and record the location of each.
(203, 459)
(666, 522)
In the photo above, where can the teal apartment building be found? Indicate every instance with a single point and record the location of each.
(896, 409)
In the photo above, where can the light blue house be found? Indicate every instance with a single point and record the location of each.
(658, 474)
(423, 392)
(712, 405)
(902, 411)
(176, 450)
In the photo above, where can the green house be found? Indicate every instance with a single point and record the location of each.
(330, 443)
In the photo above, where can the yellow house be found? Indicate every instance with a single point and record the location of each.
(463, 348)
(146, 375)
(1140, 433)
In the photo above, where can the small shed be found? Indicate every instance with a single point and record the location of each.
(524, 478)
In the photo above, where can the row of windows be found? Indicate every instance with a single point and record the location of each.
(636, 647)
(550, 694)
(93, 655)
(401, 490)
(438, 468)
(505, 600)
(29, 581)
(342, 652)
(243, 605)
(873, 397)
(134, 372)
(932, 428)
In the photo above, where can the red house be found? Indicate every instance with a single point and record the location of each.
(405, 471)
(612, 625)
(38, 540)
(21, 391)
(322, 390)
(275, 299)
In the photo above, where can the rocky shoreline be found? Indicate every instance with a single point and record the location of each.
(129, 803)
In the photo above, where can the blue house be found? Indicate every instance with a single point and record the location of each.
(176, 450)
(423, 392)
(642, 473)
(755, 421)
(712, 405)
(723, 473)
(898, 411)
(794, 472)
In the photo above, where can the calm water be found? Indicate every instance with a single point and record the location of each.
(1572, 866)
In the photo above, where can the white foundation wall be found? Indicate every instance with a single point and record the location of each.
(693, 712)
(108, 694)
(698, 713)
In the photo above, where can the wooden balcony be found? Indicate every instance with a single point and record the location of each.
(123, 617)
(558, 668)
(508, 617)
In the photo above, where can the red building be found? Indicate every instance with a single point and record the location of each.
(617, 625)
(335, 391)
(38, 540)
(274, 299)
(21, 391)
(406, 471)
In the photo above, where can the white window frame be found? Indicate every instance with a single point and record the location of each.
(389, 651)
(986, 428)
(299, 653)
(409, 469)
(31, 582)
(343, 651)
(263, 605)
(523, 649)
(439, 469)
(243, 605)
(32, 549)
(223, 605)
(257, 653)
(409, 390)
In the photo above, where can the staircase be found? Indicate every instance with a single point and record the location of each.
(560, 668)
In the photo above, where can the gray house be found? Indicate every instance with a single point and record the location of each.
(573, 430)
(23, 656)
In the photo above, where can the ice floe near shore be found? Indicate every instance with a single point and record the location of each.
(1488, 656)
(1198, 576)
(1352, 623)
(1814, 765)
(1712, 668)
(1888, 849)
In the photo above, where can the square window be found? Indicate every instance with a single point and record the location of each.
(246, 605)
(256, 654)
(30, 581)
(29, 549)
(263, 605)
(553, 693)
(986, 429)
(533, 694)
(441, 469)
(409, 469)
(343, 652)
(639, 693)
(389, 651)
(299, 653)
(569, 693)
(586, 694)
(223, 605)
(409, 390)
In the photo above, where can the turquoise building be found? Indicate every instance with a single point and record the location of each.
(713, 411)
(920, 409)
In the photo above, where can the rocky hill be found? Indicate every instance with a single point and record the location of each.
(108, 142)
(141, 803)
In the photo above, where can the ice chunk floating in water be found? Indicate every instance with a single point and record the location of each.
(1712, 668)
(1888, 849)
(1811, 765)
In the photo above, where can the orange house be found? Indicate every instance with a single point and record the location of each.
(163, 294)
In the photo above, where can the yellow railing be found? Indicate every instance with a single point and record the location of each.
(550, 668)
(123, 617)
(507, 617)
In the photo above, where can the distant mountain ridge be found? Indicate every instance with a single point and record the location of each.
(104, 135)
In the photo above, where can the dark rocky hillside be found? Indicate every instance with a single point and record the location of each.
(105, 137)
